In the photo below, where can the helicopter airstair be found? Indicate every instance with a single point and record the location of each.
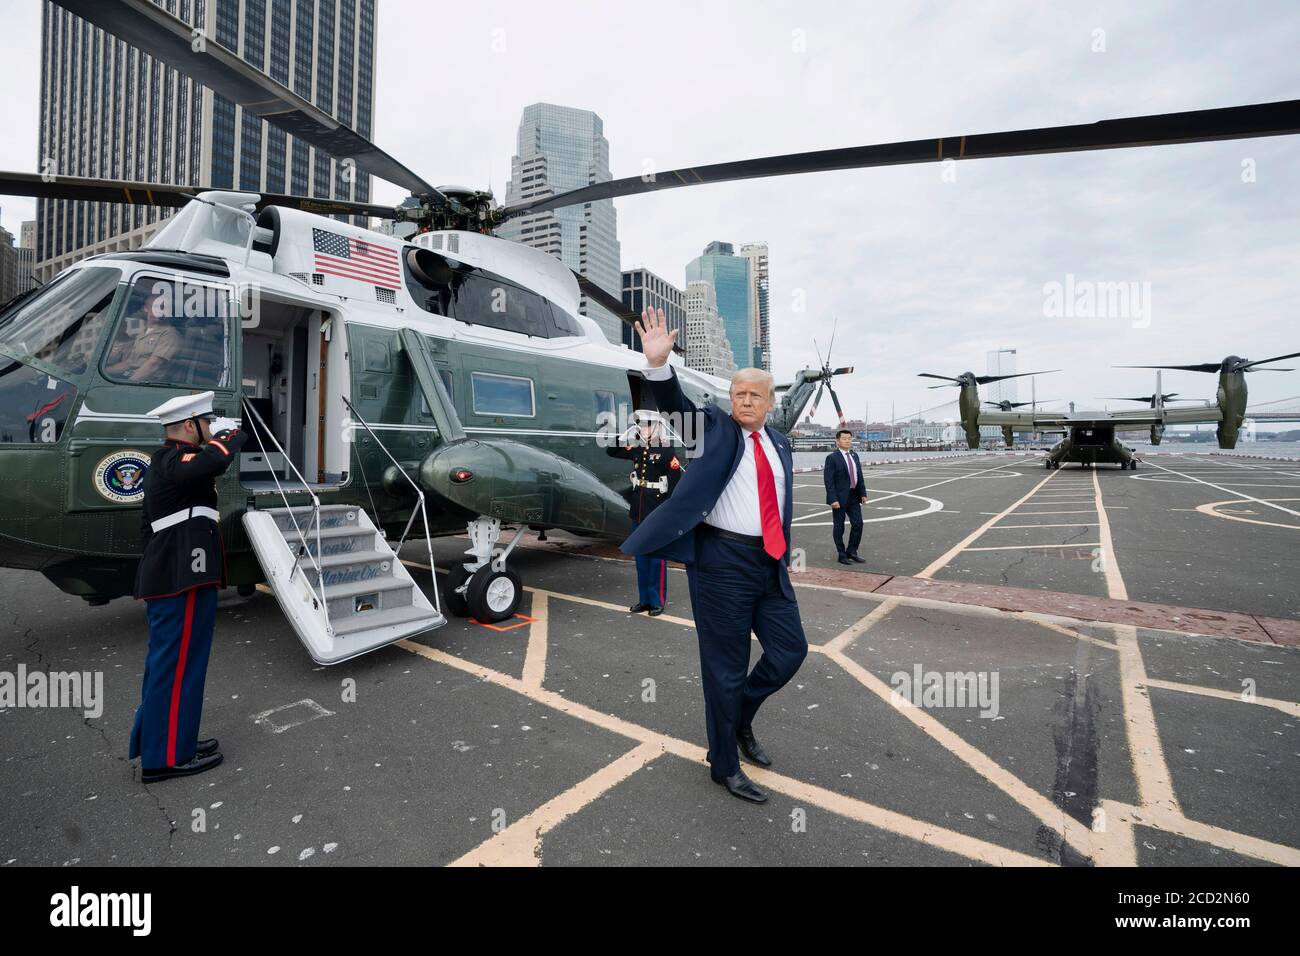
(338, 580)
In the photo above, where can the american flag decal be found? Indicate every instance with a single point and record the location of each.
(339, 255)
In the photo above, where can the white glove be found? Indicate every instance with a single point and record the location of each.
(219, 425)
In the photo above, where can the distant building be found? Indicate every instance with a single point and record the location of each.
(110, 111)
(25, 272)
(8, 266)
(756, 253)
(559, 148)
(729, 275)
(707, 347)
(642, 288)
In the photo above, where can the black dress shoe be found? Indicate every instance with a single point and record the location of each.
(738, 785)
(205, 747)
(197, 765)
(656, 611)
(751, 748)
(844, 559)
(638, 608)
(855, 558)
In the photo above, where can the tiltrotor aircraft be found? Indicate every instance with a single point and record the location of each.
(1093, 437)
(434, 384)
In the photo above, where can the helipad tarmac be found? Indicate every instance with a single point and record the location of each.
(1065, 734)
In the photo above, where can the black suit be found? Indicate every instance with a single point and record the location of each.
(836, 477)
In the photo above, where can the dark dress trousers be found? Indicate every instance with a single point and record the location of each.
(835, 475)
(736, 587)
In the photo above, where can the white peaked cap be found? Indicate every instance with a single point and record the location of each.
(181, 407)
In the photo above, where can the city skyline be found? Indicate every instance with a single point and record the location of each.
(927, 268)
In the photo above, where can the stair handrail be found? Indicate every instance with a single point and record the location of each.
(419, 494)
(315, 511)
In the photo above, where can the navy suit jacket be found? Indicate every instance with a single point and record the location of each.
(671, 530)
(835, 475)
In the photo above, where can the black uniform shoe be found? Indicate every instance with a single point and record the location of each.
(197, 765)
(854, 557)
(844, 559)
(656, 611)
(208, 746)
(751, 748)
(638, 608)
(738, 785)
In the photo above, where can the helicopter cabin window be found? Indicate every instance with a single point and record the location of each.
(61, 322)
(173, 332)
(604, 401)
(478, 297)
(502, 395)
(34, 406)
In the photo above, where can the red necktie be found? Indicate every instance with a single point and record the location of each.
(773, 536)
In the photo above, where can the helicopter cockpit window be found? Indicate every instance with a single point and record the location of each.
(60, 324)
(33, 405)
(173, 332)
(479, 297)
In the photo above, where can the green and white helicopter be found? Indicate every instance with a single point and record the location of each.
(432, 384)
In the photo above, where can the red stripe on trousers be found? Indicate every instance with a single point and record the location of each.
(663, 572)
(179, 679)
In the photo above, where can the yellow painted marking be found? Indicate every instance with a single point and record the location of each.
(1056, 512)
(1023, 547)
(854, 809)
(1215, 836)
(520, 844)
(1071, 830)
(1071, 632)
(620, 608)
(851, 633)
(1114, 581)
(535, 656)
(1285, 706)
(965, 542)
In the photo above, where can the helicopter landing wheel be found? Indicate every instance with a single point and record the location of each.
(493, 595)
(454, 602)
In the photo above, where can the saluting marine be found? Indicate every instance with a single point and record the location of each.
(182, 568)
(657, 471)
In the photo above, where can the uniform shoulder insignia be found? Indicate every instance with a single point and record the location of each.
(189, 456)
(675, 464)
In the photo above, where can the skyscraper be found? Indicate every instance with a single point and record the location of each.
(110, 111)
(756, 253)
(642, 289)
(560, 148)
(729, 275)
(25, 278)
(707, 347)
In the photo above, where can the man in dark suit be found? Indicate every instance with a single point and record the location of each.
(728, 521)
(846, 494)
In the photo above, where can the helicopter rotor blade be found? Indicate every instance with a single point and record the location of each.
(152, 30)
(1275, 358)
(986, 379)
(843, 370)
(947, 378)
(1203, 367)
(165, 194)
(816, 399)
(1196, 126)
(613, 304)
(839, 412)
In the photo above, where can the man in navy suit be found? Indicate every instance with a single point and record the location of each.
(846, 494)
(728, 521)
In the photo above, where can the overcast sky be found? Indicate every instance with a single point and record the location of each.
(923, 274)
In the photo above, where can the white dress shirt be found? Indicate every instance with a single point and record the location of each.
(738, 508)
(852, 470)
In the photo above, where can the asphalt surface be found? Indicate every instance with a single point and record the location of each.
(577, 737)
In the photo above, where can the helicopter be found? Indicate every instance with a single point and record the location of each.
(444, 382)
(1091, 438)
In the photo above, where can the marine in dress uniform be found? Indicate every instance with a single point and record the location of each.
(656, 473)
(182, 568)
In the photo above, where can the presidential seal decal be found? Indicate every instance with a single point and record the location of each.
(120, 477)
